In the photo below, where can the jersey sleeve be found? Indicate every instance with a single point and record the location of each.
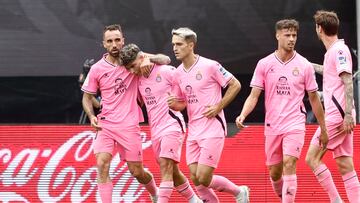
(310, 78)
(175, 87)
(258, 78)
(168, 73)
(343, 61)
(220, 74)
(91, 83)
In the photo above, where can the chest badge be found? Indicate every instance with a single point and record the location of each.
(158, 78)
(295, 71)
(198, 75)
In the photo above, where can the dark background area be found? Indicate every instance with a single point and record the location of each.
(43, 44)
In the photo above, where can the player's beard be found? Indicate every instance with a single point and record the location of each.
(290, 47)
(114, 54)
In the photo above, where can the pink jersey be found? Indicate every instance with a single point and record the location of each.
(118, 88)
(284, 85)
(200, 87)
(337, 60)
(154, 91)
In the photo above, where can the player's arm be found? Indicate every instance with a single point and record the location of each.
(233, 89)
(175, 104)
(87, 102)
(318, 68)
(148, 61)
(248, 107)
(95, 102)
(161, 59)
(349, 98)
(318, 110)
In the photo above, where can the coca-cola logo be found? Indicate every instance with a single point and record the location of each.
(63, 173)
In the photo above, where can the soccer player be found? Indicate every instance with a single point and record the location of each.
(167, 126)
(118, 121)
(284, 76)
(339, 111)
(198, 82)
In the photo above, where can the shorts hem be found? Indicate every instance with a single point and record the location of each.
(172, 158)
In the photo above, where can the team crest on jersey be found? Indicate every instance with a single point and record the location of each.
(158, 78)
(198, 75)
(295, 71)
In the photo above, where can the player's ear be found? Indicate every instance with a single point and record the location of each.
(192, 45)
(122, 42)
(320, 29)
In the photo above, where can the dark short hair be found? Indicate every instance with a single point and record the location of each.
(129, 53)
(111, 28)
(287, 24)
(328, 20)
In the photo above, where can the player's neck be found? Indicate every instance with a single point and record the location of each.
(329, 41)
(189, 61)
(284, 55)
(113, 60)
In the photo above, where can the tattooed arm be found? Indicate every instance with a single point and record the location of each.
(159, 58)
(318, 68)
(349, 98)
(150, 59)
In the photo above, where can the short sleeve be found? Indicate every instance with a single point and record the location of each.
(175, 87)
(310, 78)
(343, 62)
(91, 83)
(220, 74)
(258, 78)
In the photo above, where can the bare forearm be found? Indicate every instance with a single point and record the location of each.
(230, 94)
(318, 68)
(317, 108)
(95, 102)
(88, 105)
(349, 92)
(160, 59)
(249, 106)
(178, 106)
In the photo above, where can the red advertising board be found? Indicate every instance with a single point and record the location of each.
(56, 164)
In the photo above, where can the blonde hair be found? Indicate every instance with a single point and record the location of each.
(186, 33)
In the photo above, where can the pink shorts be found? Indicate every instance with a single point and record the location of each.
(168, 146)
(127, 142)
(205, 151)
(340, 143)
(276, 146)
